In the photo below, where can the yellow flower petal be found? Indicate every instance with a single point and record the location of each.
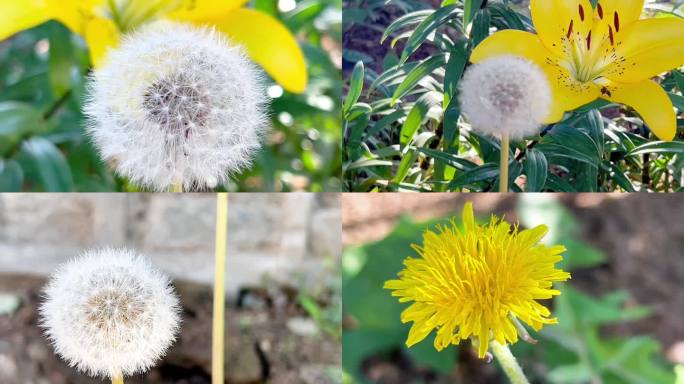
(627, 10)
(75, 14)
(555, 20)
(649, 47)
(100, 34)
(511, 42)
(651, 102)
(15, 16)
(567, 92)
(269, 43)
(205, 10)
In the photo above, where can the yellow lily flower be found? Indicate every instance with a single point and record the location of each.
(101, 22)
(606, 52)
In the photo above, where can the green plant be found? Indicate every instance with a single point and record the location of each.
(403, 129)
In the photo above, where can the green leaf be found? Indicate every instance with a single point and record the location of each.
(415, 119)
(618, 176)
(49, 163)
(425, 68)
(427, 26)
(458, 58)
(667, 147)
(403, 22)
(571, 374)
(570, 142)
(449, 159)
(355, 87)
(11, 176)
(481, 25)
(17, 120)
(485, 172)
(469, 10)
(60, 59)
(536, 168)
(679, 79)
(558, 184)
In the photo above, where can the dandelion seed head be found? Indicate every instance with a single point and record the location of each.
(109, 313)
(177, 104)
(478, 282)
(505, 94)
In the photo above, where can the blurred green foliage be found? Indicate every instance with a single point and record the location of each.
(572, 351)
(403, 129)
(42, 142)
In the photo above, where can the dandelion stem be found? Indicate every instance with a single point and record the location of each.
(117, 380)
(219, 290)
(508, 363)
(177, 188)
(503, 164)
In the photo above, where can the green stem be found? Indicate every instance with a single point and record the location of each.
(508, 363)
(117, 380)
(503, 163)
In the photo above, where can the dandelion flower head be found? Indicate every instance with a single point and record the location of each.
(109, 313)
(177, 104)
(505, 95)
(478, 282)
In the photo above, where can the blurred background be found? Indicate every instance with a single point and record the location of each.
(42, 141)
(283, 280)
(619, 316)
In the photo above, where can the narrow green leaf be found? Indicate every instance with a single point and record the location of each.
(403, 22)
(481, 24)
(448, 159)
(61, 59)
(469, 10)
(536, 169)
(11, 176)
(49, 163)
(427, 26)
(665, 147)
(355, 87)
(618, 176)
(17, 120)
(425, 68)
(482, 173)
(458, 58)
(414, 119)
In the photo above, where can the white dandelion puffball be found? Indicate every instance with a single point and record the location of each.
(109, 313)
(176, 104)
(505, 95)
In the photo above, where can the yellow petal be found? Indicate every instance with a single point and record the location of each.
(100, 34)
(651, 102)
(649, 47)
(15, 16)
(75, 14)
(269, 43)
(205, 10)
(511, 42)
(567, 92)
(553, 19)
(627, 10)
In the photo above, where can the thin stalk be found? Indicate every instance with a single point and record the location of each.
(117, 380)
(177, 188)
(508, 363)
(503, 163)
(219, 289)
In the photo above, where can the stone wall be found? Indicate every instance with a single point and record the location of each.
(280, 235)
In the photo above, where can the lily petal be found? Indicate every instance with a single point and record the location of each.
(568, 93)
(205, 10)
(627, 11)
(269, 43)
(15, 16)
(558, 20)
(511, 42)
(651, 102)
(101, 34)
(649, 47)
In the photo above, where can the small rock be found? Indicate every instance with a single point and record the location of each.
(302, 326)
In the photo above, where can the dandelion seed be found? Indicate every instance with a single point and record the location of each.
(505, 95)
(109, 313)
(168, 104)
(478, 282)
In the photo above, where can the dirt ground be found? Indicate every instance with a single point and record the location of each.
(640, 235)
(269, 339)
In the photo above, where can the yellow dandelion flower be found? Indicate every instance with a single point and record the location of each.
(478, 282)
